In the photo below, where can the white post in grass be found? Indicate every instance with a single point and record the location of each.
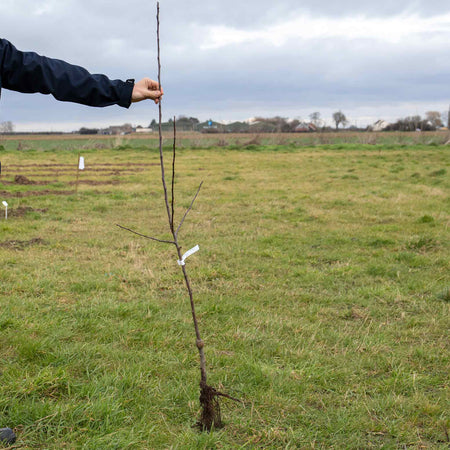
(79, 167)
(6, 209)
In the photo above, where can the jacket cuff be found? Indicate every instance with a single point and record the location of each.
(125, 93)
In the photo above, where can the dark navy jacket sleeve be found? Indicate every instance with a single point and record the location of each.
(29, 72)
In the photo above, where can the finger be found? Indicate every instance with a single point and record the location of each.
(153, 95)
(153, 85)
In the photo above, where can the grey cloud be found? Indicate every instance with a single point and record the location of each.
(254, 13)
(239, 80)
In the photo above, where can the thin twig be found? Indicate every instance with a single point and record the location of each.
(147, 237)
(160, 120)
(190, 207)
(221, 394)
(173, 172)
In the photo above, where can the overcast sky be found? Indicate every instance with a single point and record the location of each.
(234, 59)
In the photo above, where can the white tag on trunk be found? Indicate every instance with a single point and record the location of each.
(187, 254)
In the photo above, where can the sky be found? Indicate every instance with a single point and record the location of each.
(233, 60)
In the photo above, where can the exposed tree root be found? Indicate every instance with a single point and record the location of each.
(209, 400)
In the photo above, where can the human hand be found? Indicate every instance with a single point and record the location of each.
(146, 89)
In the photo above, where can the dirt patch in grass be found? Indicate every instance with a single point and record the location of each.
(20, 245)
(97, 172)
(22, 210)
(21, 179)
(113, 170)
(20, 166)
(70, 183)
(93, 182)
(7, 194)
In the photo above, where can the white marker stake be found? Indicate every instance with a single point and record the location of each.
(187, 254)
(6, 209)
(80, 167)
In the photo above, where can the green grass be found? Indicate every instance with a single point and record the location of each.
(342, 140)
(322, 288)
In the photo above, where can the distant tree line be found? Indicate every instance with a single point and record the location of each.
(278, 124)
(433, 120)
(84, 130)
(430, 122)
(275, 124)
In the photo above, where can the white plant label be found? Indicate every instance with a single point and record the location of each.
(187, 254)
(81, 164)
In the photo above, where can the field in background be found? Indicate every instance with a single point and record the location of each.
(230, 141)
(322, 287)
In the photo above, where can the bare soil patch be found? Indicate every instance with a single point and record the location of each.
(93, 182)
(21, 179)
(22, 210)
(69, 183)
(20, 245)
(34, 193)
(66, 172)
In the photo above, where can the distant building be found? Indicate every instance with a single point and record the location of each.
(114, 130)
(143, 130)
(210, 127)
(304, 127)
(379, 125)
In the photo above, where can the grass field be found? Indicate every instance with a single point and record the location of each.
(230, 141)
(322, 287)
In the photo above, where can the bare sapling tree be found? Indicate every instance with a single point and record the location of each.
(209, 396)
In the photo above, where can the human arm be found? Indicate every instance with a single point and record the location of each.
(29, 72)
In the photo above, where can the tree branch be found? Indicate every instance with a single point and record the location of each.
(221, 394)
(190, 207)
(144, 236)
